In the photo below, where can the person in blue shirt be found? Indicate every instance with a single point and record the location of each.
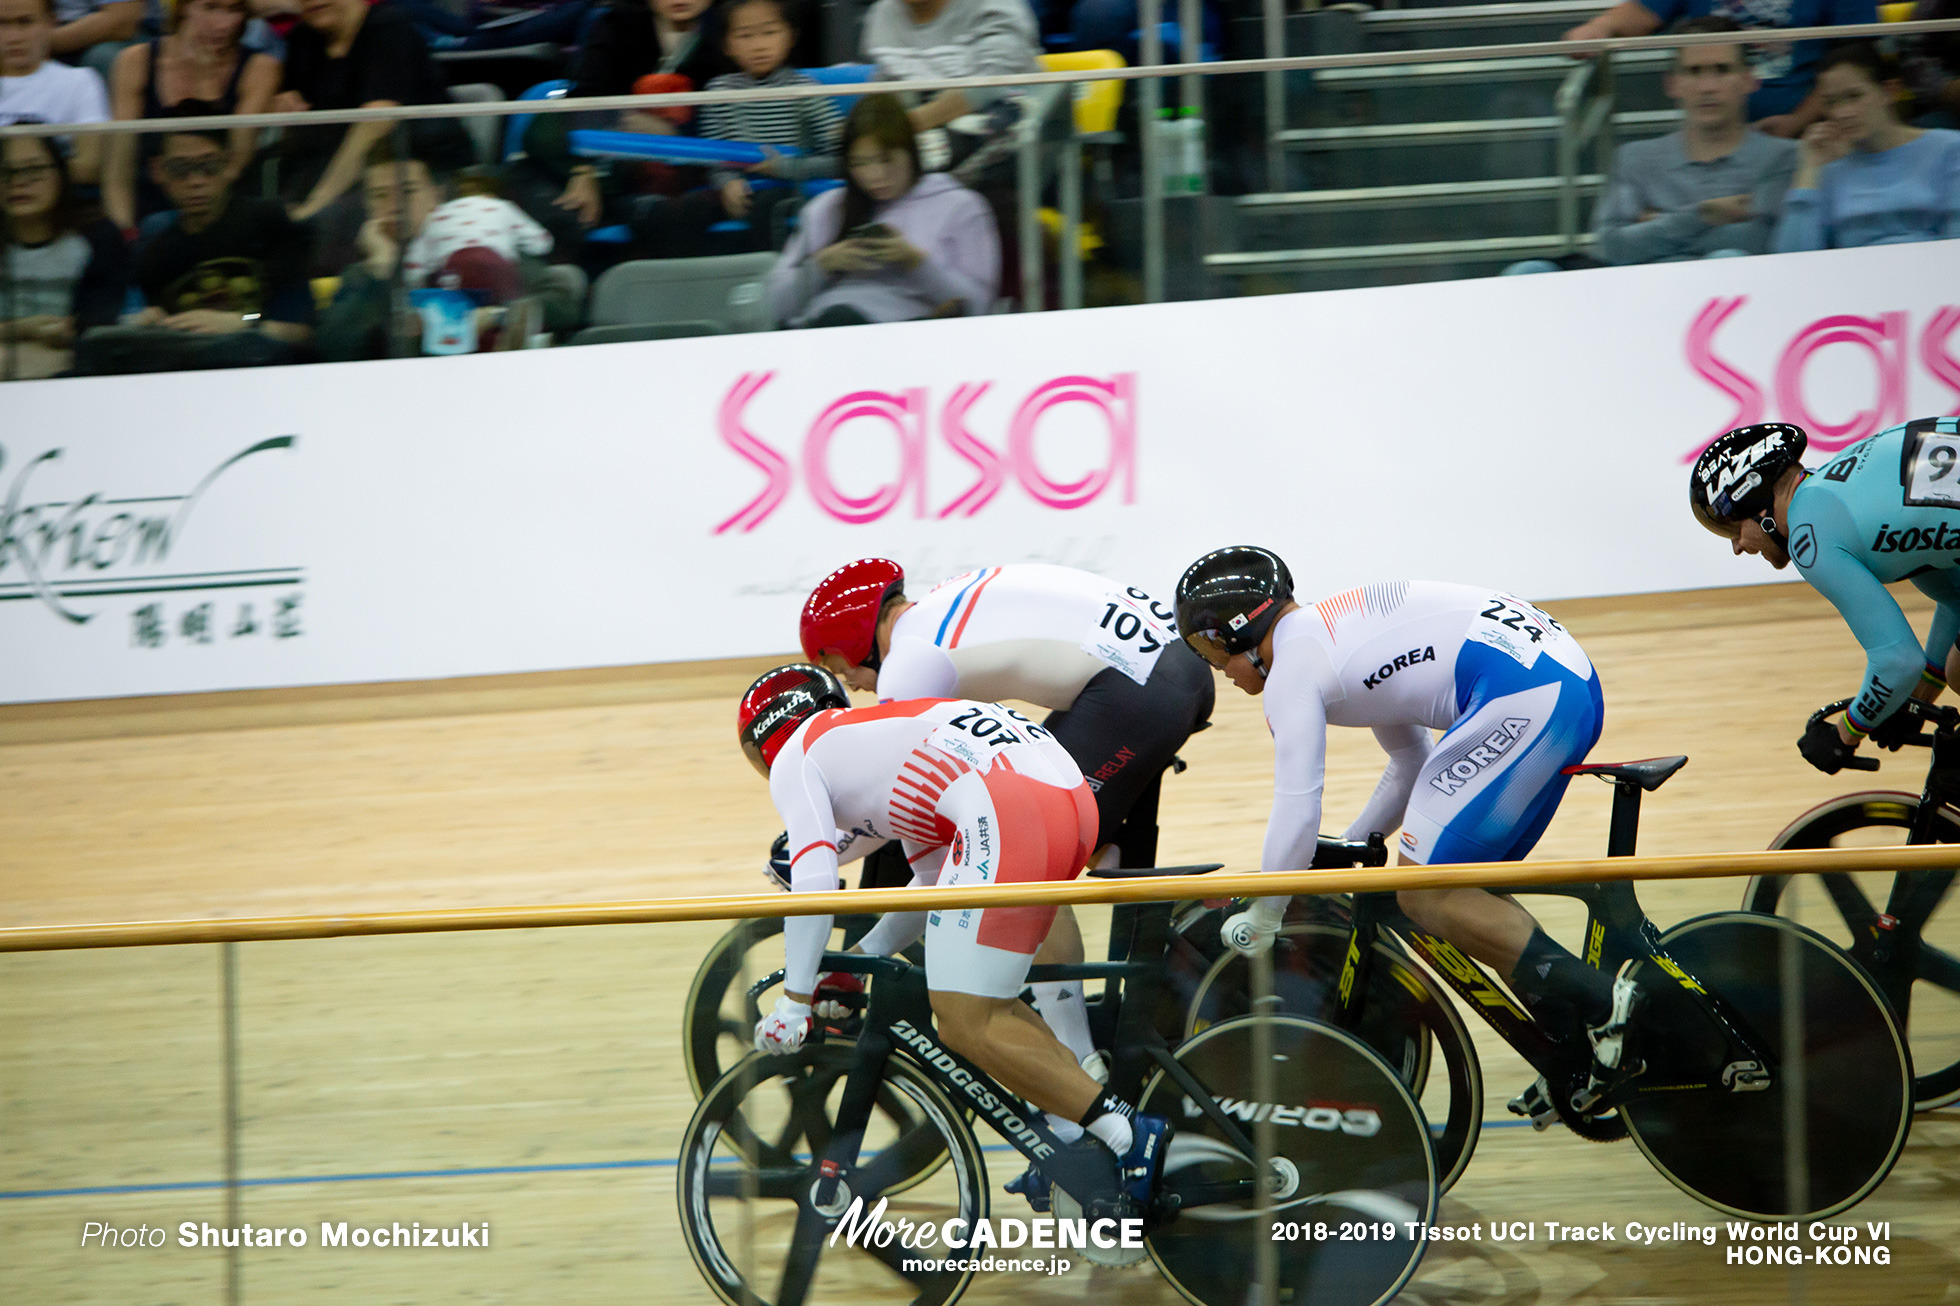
(1863, 176)
(1786, 102)
(1885, 509)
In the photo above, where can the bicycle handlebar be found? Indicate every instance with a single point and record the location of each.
(1939, 717)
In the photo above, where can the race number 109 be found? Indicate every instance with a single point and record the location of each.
(1320, 1232)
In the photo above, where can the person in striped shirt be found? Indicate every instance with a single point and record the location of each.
(758, 37)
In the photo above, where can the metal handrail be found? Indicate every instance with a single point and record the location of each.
(1145, 73)
(1584, 118)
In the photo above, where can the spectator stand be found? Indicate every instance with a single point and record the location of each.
(1458, 167)
(1438, 170)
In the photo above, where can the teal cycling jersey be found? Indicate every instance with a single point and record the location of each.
(1886, 509)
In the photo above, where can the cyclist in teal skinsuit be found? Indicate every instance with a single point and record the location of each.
(1885, 509)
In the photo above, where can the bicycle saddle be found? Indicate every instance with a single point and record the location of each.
(1134, 872)
(1649, 773)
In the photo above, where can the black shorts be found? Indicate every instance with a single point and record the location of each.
(1123, 734)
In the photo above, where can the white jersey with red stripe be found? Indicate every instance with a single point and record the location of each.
(864, 775)
(1027, 631)
(1386, 656)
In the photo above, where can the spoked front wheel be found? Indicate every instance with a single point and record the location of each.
(1922, 978)
(1350, 1147)
(1729, 1148)
(749, 1172)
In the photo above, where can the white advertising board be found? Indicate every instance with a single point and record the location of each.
(674, 500)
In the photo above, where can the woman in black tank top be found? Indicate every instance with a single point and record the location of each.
(198, 69)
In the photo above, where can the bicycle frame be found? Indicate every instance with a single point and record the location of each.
(1617, 930)
(898, 1022)
(1887, 943)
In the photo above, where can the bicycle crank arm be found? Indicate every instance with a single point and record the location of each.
(1197, 1093)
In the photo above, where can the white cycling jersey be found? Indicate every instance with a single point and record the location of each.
(1027, 631)
(931, 773)
(1386, 656)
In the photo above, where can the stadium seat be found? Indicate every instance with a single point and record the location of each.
(482, 131)
(555, 89)
(615, 335)
(1096, 103)
(724, 291)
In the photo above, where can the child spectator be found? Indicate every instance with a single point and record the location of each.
(892, 245)
(1864, 177)
(37, 89)
(759, 35)
(64, 275)
(477, 219)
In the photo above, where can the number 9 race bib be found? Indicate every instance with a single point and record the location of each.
(1131, 632)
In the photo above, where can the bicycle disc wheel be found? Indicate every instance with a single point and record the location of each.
(741, 1203)
(1351, 1147)
(1843, 908)
(1401, 1013)
(1728, 1149)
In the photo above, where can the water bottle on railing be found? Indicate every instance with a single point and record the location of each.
(1181, 150)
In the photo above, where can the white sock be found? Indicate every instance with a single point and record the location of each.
(1114, 1130)
(1061, 1005)
(1066, 1130)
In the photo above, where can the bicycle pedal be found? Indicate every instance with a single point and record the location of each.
(1535, 1104)
(1065, 1207)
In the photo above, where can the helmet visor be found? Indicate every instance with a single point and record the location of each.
(1209, 645)
(1720, 525)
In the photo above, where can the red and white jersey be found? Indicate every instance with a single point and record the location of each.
(863, 775)
(1028, 631)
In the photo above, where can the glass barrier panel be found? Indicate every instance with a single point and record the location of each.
(578, 1113)
(528, 229)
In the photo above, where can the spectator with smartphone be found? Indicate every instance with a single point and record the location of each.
(894, 244)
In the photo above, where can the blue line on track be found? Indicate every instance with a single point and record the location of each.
(472, 1172)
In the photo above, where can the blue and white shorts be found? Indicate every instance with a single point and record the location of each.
(1494, 779)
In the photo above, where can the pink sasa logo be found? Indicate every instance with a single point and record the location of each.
(1887, 338)
(908, 413)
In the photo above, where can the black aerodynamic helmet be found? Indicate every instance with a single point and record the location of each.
(1229, 599)
(1735, 478)
(780, 701)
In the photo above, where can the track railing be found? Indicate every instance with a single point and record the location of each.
(1510, 875)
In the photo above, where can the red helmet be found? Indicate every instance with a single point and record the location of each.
(780, 701)
(842, 611)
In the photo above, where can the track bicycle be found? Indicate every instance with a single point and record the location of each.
(1908, 945)
(783, 1148)
(1707, 1108)
(721, 1011)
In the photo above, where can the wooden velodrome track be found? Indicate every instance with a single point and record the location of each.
(531, 1079)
